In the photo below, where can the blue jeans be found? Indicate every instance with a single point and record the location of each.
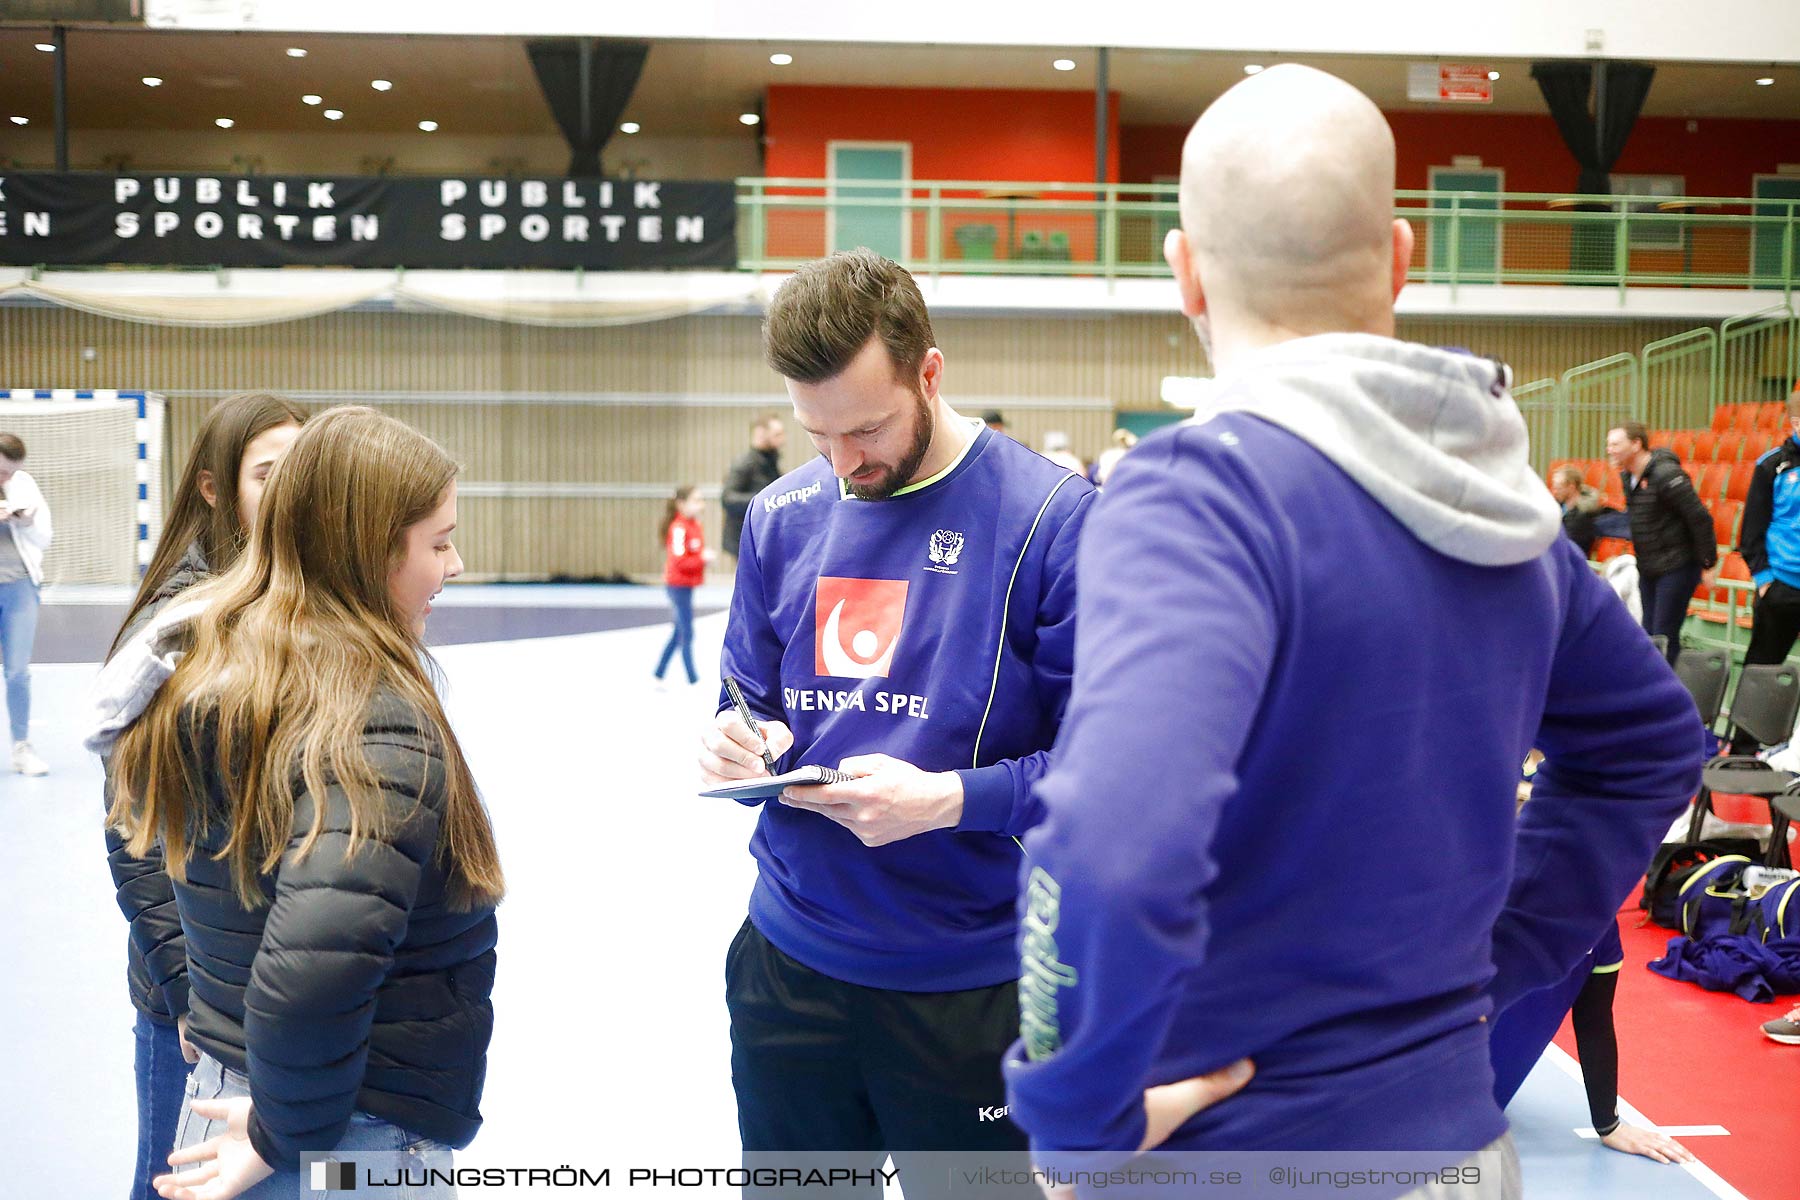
(1665, 598)
(212, 1080)
(162, 1076)
(682, 598)
(18, 630)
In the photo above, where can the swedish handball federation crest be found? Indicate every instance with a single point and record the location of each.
(945, 548)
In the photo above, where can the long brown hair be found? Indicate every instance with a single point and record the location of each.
(228, 429)
(673, 510)
(289, 653)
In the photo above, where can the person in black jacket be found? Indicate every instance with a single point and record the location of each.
(1671, 531)
(238, 445)
(757, 469)
(1769, 540)
(334, 867)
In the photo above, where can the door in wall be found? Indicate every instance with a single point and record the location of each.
(1766, 235)
(863, 172)
(1478, 236)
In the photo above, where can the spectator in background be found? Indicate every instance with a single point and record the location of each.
(1770, 544)
(1123, 440)
(25, 516)
(684, 542)
(757, 469)
(1056, 449)
(1581, 507)
(1671, 531)
(993, 419)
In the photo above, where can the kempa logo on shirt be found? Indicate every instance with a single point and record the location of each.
(945, 548)
(857, 625)
(797, 496)
(993, 1114)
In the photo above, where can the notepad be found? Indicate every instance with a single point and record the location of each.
(771, 785)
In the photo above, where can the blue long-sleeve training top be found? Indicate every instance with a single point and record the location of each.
(936, 626)
(1281, 820)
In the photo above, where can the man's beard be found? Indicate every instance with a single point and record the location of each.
(902, 472)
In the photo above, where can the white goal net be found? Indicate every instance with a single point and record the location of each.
(97, 457)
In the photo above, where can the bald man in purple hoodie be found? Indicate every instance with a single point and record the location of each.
(1320, 626)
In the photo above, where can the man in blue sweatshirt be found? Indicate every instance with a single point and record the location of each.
(904, 611)
(1320, 627)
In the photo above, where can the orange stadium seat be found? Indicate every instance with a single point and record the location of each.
(1739, 486)
(1757, 445)
(1598, 471)
(1606, 547)
(1724, 417)
(1660, 438)
(1725, 515)
(1706, 444)
(1709, 479)
(1682, 444)
(1771, 417)
(1730, 447)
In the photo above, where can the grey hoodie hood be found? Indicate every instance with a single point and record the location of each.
(130, 679)
(1433, 436)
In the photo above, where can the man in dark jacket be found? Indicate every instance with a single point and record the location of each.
(1770, 544)
(1585, 513)
(757, 469)
(1671, 531)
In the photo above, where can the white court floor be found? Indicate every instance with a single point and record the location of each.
(610, 1046)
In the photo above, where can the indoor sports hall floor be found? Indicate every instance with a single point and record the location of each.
(610, 1046)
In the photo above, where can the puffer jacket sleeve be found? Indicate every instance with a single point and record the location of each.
(147, 898)
(329, 944)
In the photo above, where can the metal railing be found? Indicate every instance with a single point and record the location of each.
(1111, 231)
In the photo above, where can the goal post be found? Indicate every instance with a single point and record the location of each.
(97, 456)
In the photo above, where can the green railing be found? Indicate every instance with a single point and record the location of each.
(987, 227)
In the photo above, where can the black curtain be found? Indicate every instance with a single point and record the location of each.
(587, 83)
(1596, 140)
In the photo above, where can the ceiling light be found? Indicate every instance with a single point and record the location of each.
(1064, 64)
(20, 120)
(1253, 69)
(428, 126)
(781, 60)
(47, 47)
(334, 114)
(748, 119)
(310, 99)
(223, 122)
(296, 52)
(1765, 81)
(152, 81)
(629, 127)
(380, 85)
(1493, 75)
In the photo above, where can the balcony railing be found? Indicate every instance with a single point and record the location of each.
(1116, 231)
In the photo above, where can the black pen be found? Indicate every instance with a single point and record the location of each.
(743, 710)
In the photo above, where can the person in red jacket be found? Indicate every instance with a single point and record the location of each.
(685, 544)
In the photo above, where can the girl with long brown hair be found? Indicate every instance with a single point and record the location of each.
(333, 864)
(214, 506)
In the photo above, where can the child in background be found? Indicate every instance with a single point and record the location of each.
(685, 544)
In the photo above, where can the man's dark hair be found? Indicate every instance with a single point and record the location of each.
(764, 421)
(827, 311)
(1634, 431)
(11, 447)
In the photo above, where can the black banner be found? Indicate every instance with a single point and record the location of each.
(352, 221)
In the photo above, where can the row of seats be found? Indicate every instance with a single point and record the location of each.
(1712, 480)
(1708, 446)
(1749, 418)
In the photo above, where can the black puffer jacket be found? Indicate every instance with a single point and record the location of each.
(155, 954)
(1670, 528)
(355, 987)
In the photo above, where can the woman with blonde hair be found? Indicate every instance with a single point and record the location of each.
(334, 867)
(209, 521)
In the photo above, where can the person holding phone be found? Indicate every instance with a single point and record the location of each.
(25, 517)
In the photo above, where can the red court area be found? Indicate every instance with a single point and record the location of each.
(1693, 1057)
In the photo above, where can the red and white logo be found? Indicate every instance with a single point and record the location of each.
(857, 625)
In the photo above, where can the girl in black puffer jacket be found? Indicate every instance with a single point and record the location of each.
(214, 505)
(333, 864)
